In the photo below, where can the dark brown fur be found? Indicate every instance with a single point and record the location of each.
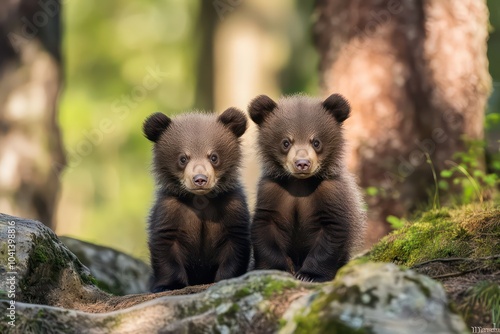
(197, 234)
(307, 223)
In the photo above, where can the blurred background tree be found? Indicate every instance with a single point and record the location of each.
(31, 153)
(125, 59)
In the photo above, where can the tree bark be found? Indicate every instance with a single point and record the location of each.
(416, 74)
(31, 153)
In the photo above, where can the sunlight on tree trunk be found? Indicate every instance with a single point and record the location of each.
(416, 74)
(31, 154)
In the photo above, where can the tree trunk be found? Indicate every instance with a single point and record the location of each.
(207, 21)
(416, 74)
(31, 154)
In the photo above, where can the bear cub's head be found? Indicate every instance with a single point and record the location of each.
(196, 153)
(300, 136)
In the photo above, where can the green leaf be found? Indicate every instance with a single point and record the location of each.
(372, 191)
(492, 119)
(446, 173)
(496, 165)
(468, 195)
(443, 185)
(395, 222)
(490, 179)
(478, 173)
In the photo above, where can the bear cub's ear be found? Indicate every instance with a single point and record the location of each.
(154, 126)
(261, 107)
(235, 120)
(338, 106)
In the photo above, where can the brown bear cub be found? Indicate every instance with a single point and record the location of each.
(199, 224)
(309, 215)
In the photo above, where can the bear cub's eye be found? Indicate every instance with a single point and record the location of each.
(183, 160)
(214, 158)
(316, 143)
(286, 144)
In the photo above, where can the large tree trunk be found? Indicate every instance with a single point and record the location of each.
(416, 73)
(31, 154)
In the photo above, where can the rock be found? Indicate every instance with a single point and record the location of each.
(364, 298)
(249, 304)
(375, 298)
(45, 271)
(114, 271)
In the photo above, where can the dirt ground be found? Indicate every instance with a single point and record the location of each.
(108, 303)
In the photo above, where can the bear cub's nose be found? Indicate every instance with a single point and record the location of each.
(200, 180)
(302, 165)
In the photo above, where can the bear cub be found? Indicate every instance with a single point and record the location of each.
(309, 216)
(199, 223)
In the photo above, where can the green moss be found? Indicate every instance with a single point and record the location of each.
(40, 313)
(353, 263)
(273, 286)
(44, 267)
(88, 279)
(3, 252)
(228, 316)
(242, 293)
(4, 249)
(114, 290)
(40, 255)
(316, 321)
(468, 231)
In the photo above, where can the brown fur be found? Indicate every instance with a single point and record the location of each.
(198, 234)
(306, 222)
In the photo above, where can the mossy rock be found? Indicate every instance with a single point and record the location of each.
(458, 246)
(46, 271)
(222, 308)
(471, 231)
(375, 298)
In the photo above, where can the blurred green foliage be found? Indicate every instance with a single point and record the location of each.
(110, 48)
(467, 171)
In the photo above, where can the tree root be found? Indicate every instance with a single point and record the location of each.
(453, 259)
